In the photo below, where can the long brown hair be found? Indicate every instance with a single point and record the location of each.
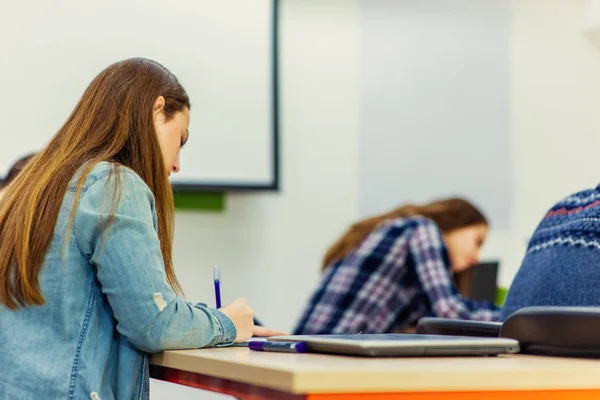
(113, 121)
(449, 214)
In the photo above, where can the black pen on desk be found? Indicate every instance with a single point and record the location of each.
(285, 347)
(217, 281)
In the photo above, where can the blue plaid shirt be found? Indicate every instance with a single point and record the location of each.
(398, 274)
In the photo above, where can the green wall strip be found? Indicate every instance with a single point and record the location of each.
(200, 201)
(501, 295)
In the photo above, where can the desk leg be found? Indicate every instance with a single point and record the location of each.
(241, 391)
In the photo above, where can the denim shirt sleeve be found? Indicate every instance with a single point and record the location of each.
(130, 269)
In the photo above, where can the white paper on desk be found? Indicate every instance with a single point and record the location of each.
(252, 339)
(256, 339)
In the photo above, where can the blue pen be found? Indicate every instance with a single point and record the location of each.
(285, 347)
(217, 279)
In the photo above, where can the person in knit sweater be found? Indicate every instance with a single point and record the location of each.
(562, 263)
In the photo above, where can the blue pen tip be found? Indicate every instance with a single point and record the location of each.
(216, 273)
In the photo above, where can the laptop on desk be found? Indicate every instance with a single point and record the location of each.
(403, 345)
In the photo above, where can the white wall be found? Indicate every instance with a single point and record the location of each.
(591, 14)
(553, 93)
(274, 242)
(555, 124)
(434, 110)
(269, 246)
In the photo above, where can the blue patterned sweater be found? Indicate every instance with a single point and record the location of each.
(562, 263)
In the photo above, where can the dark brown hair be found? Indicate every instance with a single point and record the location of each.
(15, 170)
(113, 121)
(448, 215)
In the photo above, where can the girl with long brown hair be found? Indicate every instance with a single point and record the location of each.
(87, 283)
(388, 271)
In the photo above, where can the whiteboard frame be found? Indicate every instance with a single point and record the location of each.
(274, 185)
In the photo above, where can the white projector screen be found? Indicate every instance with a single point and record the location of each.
(222, 51)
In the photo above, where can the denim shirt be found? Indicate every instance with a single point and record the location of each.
(108, 303)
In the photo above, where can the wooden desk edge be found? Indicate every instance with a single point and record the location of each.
(354, 381)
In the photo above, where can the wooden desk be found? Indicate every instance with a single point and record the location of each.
(252, 375)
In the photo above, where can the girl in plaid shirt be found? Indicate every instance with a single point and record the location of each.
(387, 272)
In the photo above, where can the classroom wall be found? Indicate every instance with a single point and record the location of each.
(555, 124)
(555, 97)
(280, 238)
(435, 113)
(434, 104)
(269, 246)
(545, 142)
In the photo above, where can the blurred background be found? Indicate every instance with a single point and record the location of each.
(310, 114)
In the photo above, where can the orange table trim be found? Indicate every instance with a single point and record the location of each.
(501, 395)
(244, 391)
